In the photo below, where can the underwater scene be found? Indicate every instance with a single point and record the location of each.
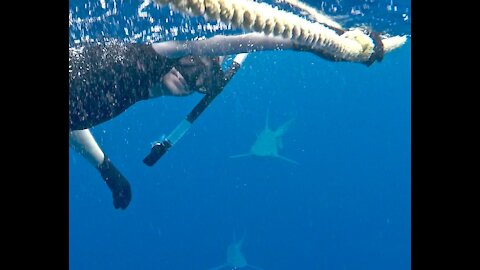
(301, 160)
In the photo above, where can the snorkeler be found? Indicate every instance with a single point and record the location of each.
(107, 78)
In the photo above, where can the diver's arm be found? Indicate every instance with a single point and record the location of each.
(223, 45)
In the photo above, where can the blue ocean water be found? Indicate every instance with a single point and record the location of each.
(345, 206)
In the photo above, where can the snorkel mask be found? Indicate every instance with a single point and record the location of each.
(202, 73)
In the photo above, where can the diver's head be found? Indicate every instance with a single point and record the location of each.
(201, 73)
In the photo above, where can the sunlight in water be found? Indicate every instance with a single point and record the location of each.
(144, 21)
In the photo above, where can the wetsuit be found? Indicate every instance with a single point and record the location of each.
(106, 79)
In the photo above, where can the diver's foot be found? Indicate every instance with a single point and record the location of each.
(122, 194)
(118, 184)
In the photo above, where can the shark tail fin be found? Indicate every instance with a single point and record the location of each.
(240, 242)
(266, 118)
(283, 128)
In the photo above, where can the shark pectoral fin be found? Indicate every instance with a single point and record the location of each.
(287, 159)
(254, 267)
(218, 267)
(241, 155)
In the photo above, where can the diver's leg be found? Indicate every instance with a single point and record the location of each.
(83, 142)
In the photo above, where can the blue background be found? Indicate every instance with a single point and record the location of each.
(345, 206)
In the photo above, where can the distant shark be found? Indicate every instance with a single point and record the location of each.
(269, 142)
(235, 258)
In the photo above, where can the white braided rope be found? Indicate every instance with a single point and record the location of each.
(353, 45)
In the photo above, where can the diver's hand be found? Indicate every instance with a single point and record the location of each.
(202, 73)
(117, 183)
(175, 84)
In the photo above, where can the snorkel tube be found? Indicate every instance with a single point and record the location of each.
(160, 148)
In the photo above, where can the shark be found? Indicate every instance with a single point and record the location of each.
(269, 142)
(235, 258)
